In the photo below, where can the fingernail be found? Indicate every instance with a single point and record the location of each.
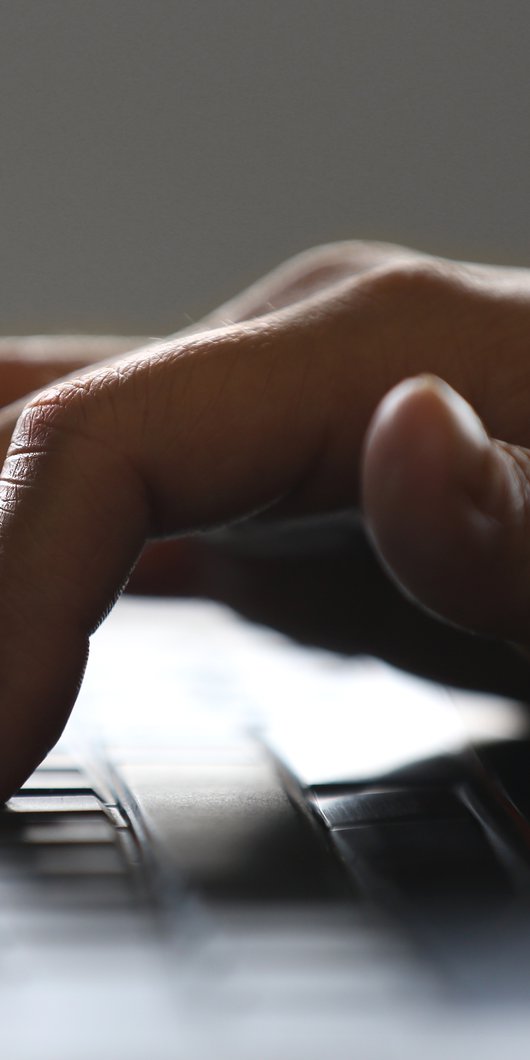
(472, 442)
(465, 416)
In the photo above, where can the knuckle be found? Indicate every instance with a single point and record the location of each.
(318, 255)
(320, 262)
(328, 258)
(344, 250)
(389, 264)
(416, 277)
(57, 412)
(420, 280)
(94, 407)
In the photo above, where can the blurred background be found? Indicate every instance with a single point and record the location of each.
(158, 155)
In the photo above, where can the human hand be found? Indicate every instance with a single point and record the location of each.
(272, 415)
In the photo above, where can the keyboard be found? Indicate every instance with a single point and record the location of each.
(65, 837)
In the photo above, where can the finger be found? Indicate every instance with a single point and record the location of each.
(306, 274)
(29, 363)
(267, 416)
(171, 568)
(448, 509)
(95, 467)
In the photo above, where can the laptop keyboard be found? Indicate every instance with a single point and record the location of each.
(76, 917)
(71, 865)
(65, 843)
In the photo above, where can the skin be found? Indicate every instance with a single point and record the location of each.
(346, 379)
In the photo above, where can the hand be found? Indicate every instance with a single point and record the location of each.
(284, 416)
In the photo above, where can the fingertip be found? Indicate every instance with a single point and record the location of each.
(424, 417)
(31, 722)
(425, 468)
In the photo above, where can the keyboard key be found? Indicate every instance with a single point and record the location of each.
(96, 859)
(58, 761)
(449, 860)
(56, 782)
(68, 828)
(392, 804)
(46, 804)
(71, 860)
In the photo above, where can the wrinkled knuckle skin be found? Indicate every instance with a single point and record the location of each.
(55, 413)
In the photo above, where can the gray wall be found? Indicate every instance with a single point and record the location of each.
(156, 155)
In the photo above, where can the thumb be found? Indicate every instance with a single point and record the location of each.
(448, 509)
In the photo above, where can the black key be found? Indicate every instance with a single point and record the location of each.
(391, 804)
(57, 829)
(448, 861)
